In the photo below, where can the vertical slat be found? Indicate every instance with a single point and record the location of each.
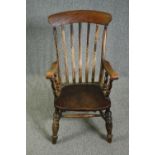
(73, 52)
(94, 53)
(65, 52)
(80, 54)
(103, 50)
(104, 42)
(57, 51)
(87, 60)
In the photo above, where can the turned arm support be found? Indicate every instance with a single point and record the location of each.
(109, 76)
(53, 76)
(111, 72)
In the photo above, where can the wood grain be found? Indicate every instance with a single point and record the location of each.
(80, 115)
(82, 97)
(103, 50)
(94, 53)
(77, 16)
(57, 50)
(89, 96)
(80, 54)
(65, 52)
(87, 47)
(53, 70)
(113, 74)
(73, 52)
(104, 43)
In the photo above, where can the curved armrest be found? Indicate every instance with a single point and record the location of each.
(113, 74)
(54, 69)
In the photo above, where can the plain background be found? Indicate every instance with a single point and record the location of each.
(75, 136)
(13, 104)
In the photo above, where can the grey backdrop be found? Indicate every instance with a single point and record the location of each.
(79, 137)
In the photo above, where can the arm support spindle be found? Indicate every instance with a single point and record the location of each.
(109, 76)
(52, 75)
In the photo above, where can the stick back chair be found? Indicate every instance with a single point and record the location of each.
(84, 93)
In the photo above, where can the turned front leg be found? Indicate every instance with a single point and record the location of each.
(108, 120)
(55, 126)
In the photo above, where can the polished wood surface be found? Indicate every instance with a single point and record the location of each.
(57, 50)
(73, 52)
(78, 16)
(55, 125)
(103, 50)
(89, 61)
(65, 52)
(104, 42)
(52, 71)
(80, 55)
(112, 73)
(87, 47)
(94, 53)
(82, 97)
(81, 94)
(80, 115)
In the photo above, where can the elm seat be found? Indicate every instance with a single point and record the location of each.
(82, 98)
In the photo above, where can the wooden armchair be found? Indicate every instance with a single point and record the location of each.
(81, 94)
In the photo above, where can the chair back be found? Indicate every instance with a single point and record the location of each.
(80, 43)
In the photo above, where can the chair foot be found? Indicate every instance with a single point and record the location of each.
(108, 120)
(54, 139)
(55, 126)
(109, 138)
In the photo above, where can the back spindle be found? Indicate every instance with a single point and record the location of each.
(73, 52)
(57, 51)
(103, 51)
(80, 54)
(65, 52)
(87, 58)
(90, 64)
(104, 41)
(94, 53)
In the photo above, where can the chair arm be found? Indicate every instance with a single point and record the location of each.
(52, 74)
(52, 71)
(113, 74)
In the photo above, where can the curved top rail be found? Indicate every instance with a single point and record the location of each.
(78, 16)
